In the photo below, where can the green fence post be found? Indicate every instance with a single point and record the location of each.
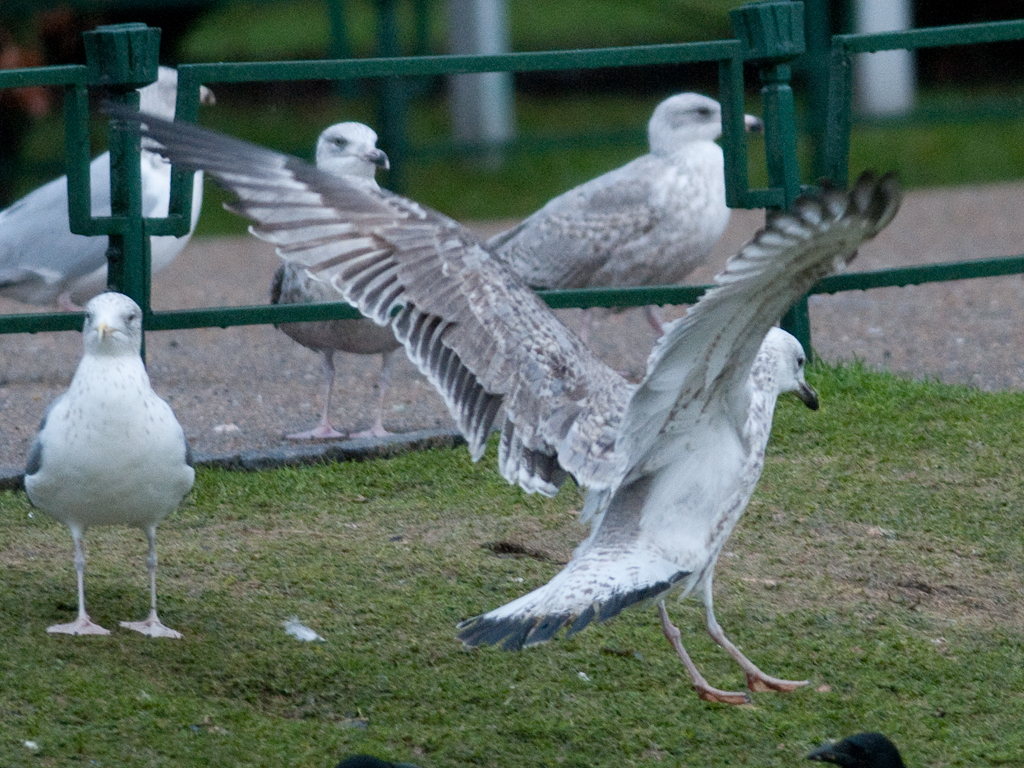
(838, 117)
(814, 68)
(122, 58)
(772, 35)
(394, 99)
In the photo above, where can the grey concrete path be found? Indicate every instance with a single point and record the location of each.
(237, 391)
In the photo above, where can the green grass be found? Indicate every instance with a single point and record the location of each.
(881, 558)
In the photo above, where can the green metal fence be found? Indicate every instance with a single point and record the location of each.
(768, 37)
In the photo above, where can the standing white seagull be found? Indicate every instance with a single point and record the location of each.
(344, 149)
(670, 464)
(43, 263)
(109, 450)
(650, 222)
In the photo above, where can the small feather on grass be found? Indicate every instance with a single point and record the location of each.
(300, 631)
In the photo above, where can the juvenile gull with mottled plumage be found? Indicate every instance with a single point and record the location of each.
(344, 149)
(109, 450)
(650, 222)
(670, 465)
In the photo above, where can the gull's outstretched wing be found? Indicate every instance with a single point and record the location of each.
(704, 359)
(480, 336)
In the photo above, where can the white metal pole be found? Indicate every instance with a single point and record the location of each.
(885, 80)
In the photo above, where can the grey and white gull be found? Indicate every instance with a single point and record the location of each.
(669, 465)
(345, 149)
(650, 222)
(109, 450)
(43, 263)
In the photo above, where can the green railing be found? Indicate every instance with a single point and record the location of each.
(768, 35)
(124, 57)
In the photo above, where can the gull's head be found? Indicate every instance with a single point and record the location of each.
(350, 149)
(113, 325)
(685, 118)
(159, 98)
(780, 365)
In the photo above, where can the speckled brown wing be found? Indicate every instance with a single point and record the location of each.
(480, 336)
(570, 241)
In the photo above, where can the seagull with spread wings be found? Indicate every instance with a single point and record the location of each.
(669, 464)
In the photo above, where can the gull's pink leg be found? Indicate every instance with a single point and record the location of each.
(152, 625)
(756, 679)
(586, 320)
(83, 624)
(377, 430)
(323, 430)
(65, 304)
(651, 313)
(700, 685)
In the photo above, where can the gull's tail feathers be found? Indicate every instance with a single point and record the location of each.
(596, 586)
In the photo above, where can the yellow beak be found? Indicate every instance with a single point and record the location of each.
(104, 330)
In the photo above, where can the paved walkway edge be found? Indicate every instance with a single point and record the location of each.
(11, 478)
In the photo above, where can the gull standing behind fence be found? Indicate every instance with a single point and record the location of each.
(345, 149)
(651, 222)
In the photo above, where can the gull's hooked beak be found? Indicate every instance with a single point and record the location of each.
(379, 158)
(806, 393)
(104, 331)
(753, 124)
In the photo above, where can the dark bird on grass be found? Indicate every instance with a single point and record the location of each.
(345, 149)
(865, 750)
(669, 464)
(650, 222)
(109, 450)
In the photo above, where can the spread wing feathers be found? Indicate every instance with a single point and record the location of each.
(704, 359)
(594, 586)
(480, 336)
